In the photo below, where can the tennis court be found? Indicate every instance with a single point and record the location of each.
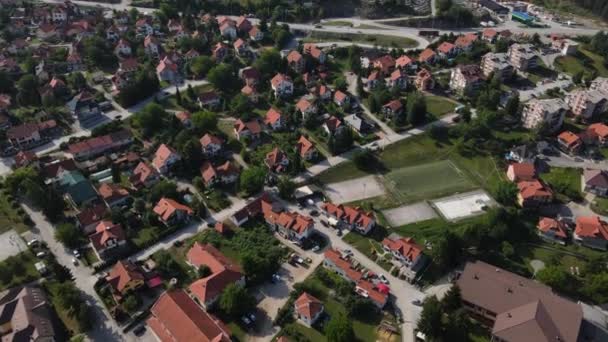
(464, 205)
(427, 181)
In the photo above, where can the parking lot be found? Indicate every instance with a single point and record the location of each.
(354, 189)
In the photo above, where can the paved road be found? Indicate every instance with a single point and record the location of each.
(566, 161)
(541, 89)
(105, 328)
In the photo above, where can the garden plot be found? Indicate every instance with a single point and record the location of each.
(354, 189)
(463, 205)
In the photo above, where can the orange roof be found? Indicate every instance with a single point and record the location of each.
(598, 130)
(547, 224)
(304, 146)
(530, 189)
(166, 207)
(208, 171)
(253, 126)
(407, 247)
(523, 171)
(278, 78)
(345, 266)
(372, 291)
(569, 138)
(122, 273)
(294, 56)
(177, 318)
(141, 172)
(308, 306)
(489, 33)
(274, 158)
(340, 96)
(223, 271)
(349, 214)
(426, 55)
(105, 231)
(466, 40)
(424, 74)
(272, 116)
(221, 228)
(161, 156)
(403, 61)
(303, 105)
(111, 192)
(209, 139)
(592, 227)
(445, 47)
(313, 50)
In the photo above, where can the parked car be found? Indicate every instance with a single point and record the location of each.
(33, 243)
(75, 261)
(383, 279)
(41, 254)
(316, 248)
(139, 330)
(76, 254)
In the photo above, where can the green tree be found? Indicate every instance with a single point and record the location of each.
(448, 250)
(286, 187)
(77, 81)
(340, 83)
(115, 174)
(201, 65)
(151, 118)
(430, 322)
(204, 121)
(164, 188)
(27, 91)
(512, 106)
(69, 235)
(339, 329)
(556, 277)
(235, 301)
(452, 300)
(131, 303)
(240, 104)
(365, 160)
(506, 193)
(191, 153)
(577, 78)
(457, 326)
(252, 180)
(596, 287)
(269, 62)
(222, 78)
(416, 109)
(507, 249)
(204, 271)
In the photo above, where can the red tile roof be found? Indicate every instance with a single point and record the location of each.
(426, 55)
(112, 192)
(599, 130)
(523, 171)
(304, 146)
(547, 224)
(177, 318)
(570, 139)
(534, 188)
(592, 227)
(372, 292)
(253, 126)
(294, 56)
(163, 153)
(91, 215)
(209, 139)
(278, 78)
(335, 257)
(274, 158)
(446, 47)
(308, 306)
(166, 207)
(403, 61)
(407, 247)
(142, 172)
(272, 116)
(105, 231)
(122, 273)
(348, 214)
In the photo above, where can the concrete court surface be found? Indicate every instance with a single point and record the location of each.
(416, 212)
(463, 205)
(354, 189)
(12, 244)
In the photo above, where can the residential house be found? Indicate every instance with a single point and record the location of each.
(600, 83)
(376, 293)
(466, 79)
(274, 119)
(321, 92)
(291, 225)
(307, 107)
(223, 272)
(517, 172)
(547, 113)
(282, 85)
(315, 52)
(566, 47)
(496, 64)
(596, 134)
(392, 109)
(570, 142)
(358, 124)
(228, 29)
(128, 65)
(405, 63)
(220, 51)
(225, 173)
(122, 49)
(208, 99)
(533, 194)
(222, 229)
(74, 61)
(108, 239)
(552, 230)
(331, 125)
(255, 34)
(261, 206)
(250, 129)
(27, 158)
(144, 28)
(296, 61)
(424, 80)
(385, 64)
(167, 71)
(596, 182)
(341, 99)
(88, 219)
(335, 262)
(164, 159)
(125, 277)
(522, 57)
(152, 46)
(398, 79)
(211, 145)
(185, 118)
(27, 315)
(592, 232)
(408, 253)
(427, 56)
(243, 24)
(465, 42)
(170, 212)
(242, 48)
(144, 176)
(374, 79)
(517, 309)
(84, 106)
(489, 35)
(276, 160)
(587, 103)
(250, 75)
(310, 79)
(447, 50)
(306, 149)
(25, 136)
(354, 218)
(308, 309)
(175, 317)
(76, 189)
(114, 195)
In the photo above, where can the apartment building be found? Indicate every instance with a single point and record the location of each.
(497, 64)
(547, 112)
(586, 103)
(466, 79)
(522, 57)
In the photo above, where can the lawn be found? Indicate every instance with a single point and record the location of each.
(365, 326)
(426, 181)
(381, 40)
(585, 61)
(438, 106)
(600, 206)
(565, 181)
(10, 217)
(17, 270)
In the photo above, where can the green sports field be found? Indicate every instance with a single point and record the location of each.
(426, 181)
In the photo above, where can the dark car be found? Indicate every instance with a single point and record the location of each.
(140, 330)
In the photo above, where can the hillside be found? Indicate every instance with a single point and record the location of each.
(580, 7)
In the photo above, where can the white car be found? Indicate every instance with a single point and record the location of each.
(75, 261)
(383, 279)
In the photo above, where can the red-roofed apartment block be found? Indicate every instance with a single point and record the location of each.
(353, 218)
(408, 253)
(335, 262)
(591, 232)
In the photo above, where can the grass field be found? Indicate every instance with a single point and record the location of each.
(381, 40)
(565, 181)
(585, 62)
(9, 216)
(439, 106)
(17, 270)
(426, 181)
